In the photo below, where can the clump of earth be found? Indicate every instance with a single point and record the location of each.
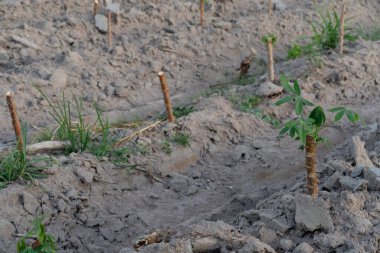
(237, 186)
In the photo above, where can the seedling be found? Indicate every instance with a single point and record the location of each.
(270, 40)
(326, 32)
(166, 94)
(306, 128)
(182, 139)
(295, 51)
(16, 165)
(166, 147)
(42, 241)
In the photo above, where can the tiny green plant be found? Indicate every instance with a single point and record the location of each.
(79, 134)
(43, 242)
(182, 138)
(295, 51)
(270, 40)
(306, 128)
(17, 165)
(166, 147)
(326, 31)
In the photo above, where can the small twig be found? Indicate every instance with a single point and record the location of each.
(109, 28)
(341, 33)
(165, 92)
(96, 7)
(270, 8)
(129, 137)
(15, 120)
(202, 12)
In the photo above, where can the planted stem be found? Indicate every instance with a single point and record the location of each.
(270, 61)
(270, 7)
(202, 12)
(311, 166)
(96, 7)
(109, 30)
(165, 92)
(15, 120)
(341, 33)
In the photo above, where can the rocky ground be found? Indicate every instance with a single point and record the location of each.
(238, 186)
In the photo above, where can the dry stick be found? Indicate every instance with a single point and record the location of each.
(202, 12)
(109, 28)
(270, 61)
(311, 166)
(96, 7)
(341, 33)
(270, 8)
(165, 92)
(15, 120)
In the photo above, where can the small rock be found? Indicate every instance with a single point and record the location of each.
(178, 183)
(332, 182)
(373, 177)
(28, 54)
(303, 248)
(223, 25)
(127, 250)
(330, 241)
(256, 246)
(61, 205)
(85, 174)
(268, 89)
(286, 244)
(357, 171)
(4, 57)
(267, 235)
(101, 22)
(360, 154)
(29, 203)
(6, 229)
(312, 214)
(59, 78)
(351, 184)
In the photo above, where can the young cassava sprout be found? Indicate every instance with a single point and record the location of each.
(270, 40)
(306, 128)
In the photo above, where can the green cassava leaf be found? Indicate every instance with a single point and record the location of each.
(352, 116)
(337, 109)
(318, 115)
(299, 106)
(284, 130)
(284, 100)
(307, 102)
(286, 85)
(297, 88)
(339, 115)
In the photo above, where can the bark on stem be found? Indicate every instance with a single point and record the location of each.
(341, 33)
(202, 12)
(15, 120)
(311, 166)
(270, 61)
(96, 7)
(109, 28)
(270, 7)
(165, 92)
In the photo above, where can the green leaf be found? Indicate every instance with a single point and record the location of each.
(336, 109)
(286, 85)
(292, 132)
(297, 88)
(318, 115)
(299, 106)
(352, 116)
(302, 135)
(307, 102)
(284, 100)
(284, 130)
(339, 115)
